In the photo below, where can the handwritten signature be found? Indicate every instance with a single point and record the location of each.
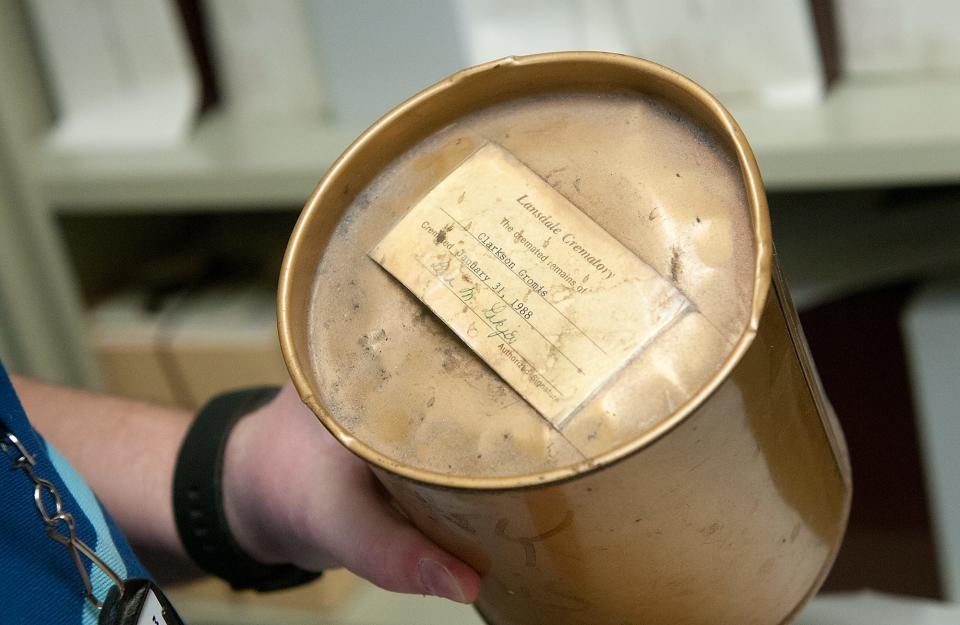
(498, 322)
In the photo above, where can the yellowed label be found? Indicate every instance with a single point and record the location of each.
(545, 296)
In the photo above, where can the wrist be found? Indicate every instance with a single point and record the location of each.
(204, 484)
(249, 493)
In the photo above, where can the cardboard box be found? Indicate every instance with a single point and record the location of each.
(191, 347)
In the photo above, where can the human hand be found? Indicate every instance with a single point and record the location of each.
(293, 493)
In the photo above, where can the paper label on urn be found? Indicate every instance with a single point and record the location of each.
(544, 295)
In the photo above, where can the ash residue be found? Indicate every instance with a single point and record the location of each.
(676, 268)
(451, 360)
(372, 343)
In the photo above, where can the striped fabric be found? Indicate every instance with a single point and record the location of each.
(38, 579)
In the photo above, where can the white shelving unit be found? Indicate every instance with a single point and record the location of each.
(930, 326)
(230, 163)
(862, 134)
(41, 327)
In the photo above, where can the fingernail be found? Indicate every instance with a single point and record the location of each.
(439, 581)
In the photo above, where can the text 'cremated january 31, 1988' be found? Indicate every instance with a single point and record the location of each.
(544, 295)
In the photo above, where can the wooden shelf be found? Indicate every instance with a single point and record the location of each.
(862, 134)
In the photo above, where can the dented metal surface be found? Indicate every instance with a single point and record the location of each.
(706, 482)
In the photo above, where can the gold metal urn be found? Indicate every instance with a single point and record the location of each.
(541, 300)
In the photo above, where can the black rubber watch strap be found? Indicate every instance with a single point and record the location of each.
(198, 498)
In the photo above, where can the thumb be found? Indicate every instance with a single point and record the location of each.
(383, 547)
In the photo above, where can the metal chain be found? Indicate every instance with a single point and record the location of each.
(61, 526)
